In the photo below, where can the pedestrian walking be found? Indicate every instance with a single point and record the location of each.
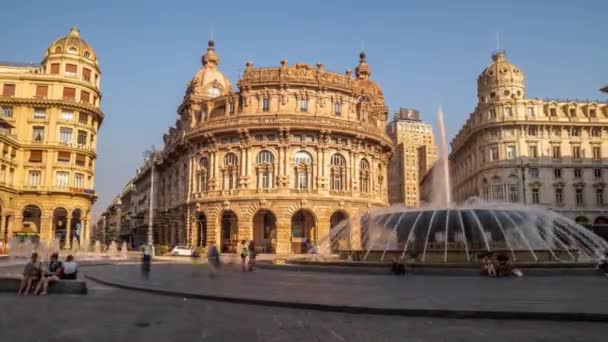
(146, 264)
(251, 255)
(244, 255)
(213, 257)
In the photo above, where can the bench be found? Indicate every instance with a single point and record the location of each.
(12, 283)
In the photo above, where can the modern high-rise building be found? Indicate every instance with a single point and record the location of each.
(546, 152)
(49, 118)
(414, 155)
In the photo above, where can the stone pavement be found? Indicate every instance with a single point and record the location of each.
(111, 314)
(548, 295)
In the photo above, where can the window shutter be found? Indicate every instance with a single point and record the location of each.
(35, 156)
(69, 93)
(71, 68)
(55, 68)
(9, 90)
(86, 74)
(84, 96)
(42, 90)
(64, 156)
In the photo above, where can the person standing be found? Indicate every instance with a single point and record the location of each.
(244, 255)
(251, 254)
(146, 261)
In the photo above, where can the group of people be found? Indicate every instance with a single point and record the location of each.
(498, 266)
(248, 253)
(38, 279)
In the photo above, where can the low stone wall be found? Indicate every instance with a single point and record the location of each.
(12, 283)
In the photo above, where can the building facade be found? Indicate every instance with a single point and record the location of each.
(533, 151)
(291, 153)
(50, 116)
(415, 153)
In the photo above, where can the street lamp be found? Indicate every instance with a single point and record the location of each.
(522, 168)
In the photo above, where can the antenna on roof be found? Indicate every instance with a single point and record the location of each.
(497, 41)
(211, 34)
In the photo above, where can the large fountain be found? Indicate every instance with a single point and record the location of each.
(444, 232)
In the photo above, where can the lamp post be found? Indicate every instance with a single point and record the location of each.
(522, 168)
(151, 208)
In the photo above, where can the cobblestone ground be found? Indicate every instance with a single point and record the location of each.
(109, 314)
(574, 294)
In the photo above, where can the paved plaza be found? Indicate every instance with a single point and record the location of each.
(548, 294)
(110, 314)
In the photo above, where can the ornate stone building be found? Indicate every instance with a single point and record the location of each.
(292, 152)
(532, 151)
(49, 121)
(415, 154)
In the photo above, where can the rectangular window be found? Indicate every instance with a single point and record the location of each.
(559, 196)
(509, 111)
(596, 132)
(55, 69)
(576, 152)
(557, 132)
(3, 174)
(86, 74)
(533, 151)
(572, 112)
(65, 135)
(597, 152)
(530, 111)
(62, 179)
(578, 173)
(67, 115)
(265, 104)
(576, 132)
(597, 173)
(494, 154)
(535, 196)
(8, 90)
(304, 105)
(82, 138)
(231, 107)
(35, 156)
(592, 113)
(78, 180)
(599, 196)
(39, 113)
(42, 91)
(511, 152)
(33, 178)
(492, 114)
(580, 198)
(71, 70)
(83, 118)
(63, 157)
(533, 131)
(338, 108)
(69, 93)
(81, 160)
(38, 133)
(552, 112)
(84, 96)
(557, 173)
(513, 193)
(557, 152)
(7, 111)
(533, 172)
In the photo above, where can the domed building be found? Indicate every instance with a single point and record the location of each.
(546, 152)
(294, 151)
(49, 120)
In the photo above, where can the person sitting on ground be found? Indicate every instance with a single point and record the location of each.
(52, 274)
(504, 266)
(31, 274)
(70, 269)
(398, 267)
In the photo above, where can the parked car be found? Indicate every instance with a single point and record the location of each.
(181, 251)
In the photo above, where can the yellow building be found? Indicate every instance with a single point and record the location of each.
(415, 154)
(49, 120)
(291, 153)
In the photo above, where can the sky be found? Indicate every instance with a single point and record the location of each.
(422, 53)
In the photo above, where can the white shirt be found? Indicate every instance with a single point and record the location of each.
(69, 267)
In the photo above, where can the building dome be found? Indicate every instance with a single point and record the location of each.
(366, 86)
(501, 80)
(209, 81)
(72, 44)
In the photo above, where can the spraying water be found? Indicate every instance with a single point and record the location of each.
(443, 159)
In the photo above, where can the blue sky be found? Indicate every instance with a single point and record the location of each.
(423, 53)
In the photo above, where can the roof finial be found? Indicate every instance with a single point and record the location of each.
(74, 32)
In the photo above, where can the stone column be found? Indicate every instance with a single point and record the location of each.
(46, 228)
(3, 219)
(355, 231)
(283, 236)
(68, 234)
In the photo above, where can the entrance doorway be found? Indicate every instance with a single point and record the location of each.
(60, 218)
(229, 232)
(201, 225)
(265, 231)
(303, 231)
(339, 231)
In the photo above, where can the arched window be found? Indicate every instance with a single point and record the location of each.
(203, 175)
(304, 105)
(265, 170)
(214, 92)
(265, 104)
(58, 49)
(303, 170)
(595, 132)
(338, 172)
(230, 171)
(87, 54)
(364, 173)
(72, 50)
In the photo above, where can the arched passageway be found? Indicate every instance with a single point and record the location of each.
(265, 231)
(201, 226)
(340, 231)
(229, 232)
(303, 231)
